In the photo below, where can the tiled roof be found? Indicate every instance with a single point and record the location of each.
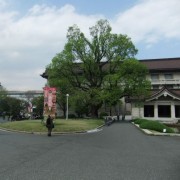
(162, 64)
(174, 92)
(44, 75)
(165, 64)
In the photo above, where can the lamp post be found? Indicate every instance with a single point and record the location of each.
(67, 95)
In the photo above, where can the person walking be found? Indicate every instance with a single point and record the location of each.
(49, 125)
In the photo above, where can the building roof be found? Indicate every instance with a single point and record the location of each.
(153, 65)
(164, 91)
(44, 74)
(165, 64)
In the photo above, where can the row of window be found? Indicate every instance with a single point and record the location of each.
(163, 111)
(166, 76)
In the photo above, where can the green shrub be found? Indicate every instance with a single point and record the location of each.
(71, 116)
(140, 121)
(155, 125)
(102, 114)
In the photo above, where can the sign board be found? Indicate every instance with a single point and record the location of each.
(49, 101)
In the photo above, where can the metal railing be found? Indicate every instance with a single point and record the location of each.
(165, 81)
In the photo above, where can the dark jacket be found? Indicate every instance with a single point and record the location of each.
(49, 123)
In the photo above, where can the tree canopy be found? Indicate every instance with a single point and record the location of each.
(92, 66)
(38, 103)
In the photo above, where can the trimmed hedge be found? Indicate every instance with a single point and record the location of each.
(155, 125)
(140, 121)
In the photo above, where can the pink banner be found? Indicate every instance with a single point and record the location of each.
(49, 101)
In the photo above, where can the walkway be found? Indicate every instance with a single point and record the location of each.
(119, 152)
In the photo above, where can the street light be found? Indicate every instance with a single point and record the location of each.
(67, 95)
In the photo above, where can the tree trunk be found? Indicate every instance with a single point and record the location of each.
(94, 111)
(110, 110)
(64, 113)
(63, 108)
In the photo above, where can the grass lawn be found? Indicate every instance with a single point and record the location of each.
(60, 125)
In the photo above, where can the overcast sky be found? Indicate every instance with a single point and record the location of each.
(33, 31)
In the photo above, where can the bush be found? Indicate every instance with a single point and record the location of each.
(155, 125)
(71, 116)
(102, 114)
(140, 121)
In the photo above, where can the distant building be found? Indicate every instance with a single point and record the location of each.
(25, 95)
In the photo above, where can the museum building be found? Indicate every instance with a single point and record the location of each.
(164, 102)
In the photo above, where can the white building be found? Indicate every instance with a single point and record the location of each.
(164, 102)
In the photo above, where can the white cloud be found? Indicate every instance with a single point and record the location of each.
(3, 4)
(150, 21)
(29, 43)
(42, 24)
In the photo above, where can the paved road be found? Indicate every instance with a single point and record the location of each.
(119, 152)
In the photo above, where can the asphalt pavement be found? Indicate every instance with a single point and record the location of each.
(118, 152)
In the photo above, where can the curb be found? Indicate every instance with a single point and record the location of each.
(148, 132)
(98, 129)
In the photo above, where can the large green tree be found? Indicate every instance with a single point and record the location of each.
(91, 65)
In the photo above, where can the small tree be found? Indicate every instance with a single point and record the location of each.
(12, 106)
(3, 95)
(38, 103)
